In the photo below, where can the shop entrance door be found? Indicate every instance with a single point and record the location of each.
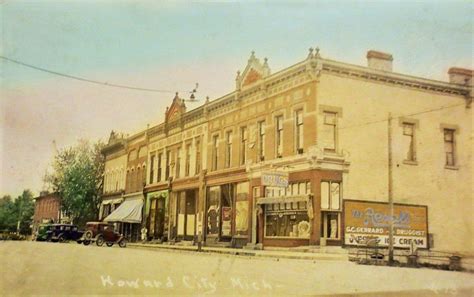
(159, 218)
(187, 214)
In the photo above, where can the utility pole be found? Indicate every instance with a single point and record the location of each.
(390, 191)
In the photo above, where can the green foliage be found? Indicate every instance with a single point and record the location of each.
(77, 178)
(19, 211)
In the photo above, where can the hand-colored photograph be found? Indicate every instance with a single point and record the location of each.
(236, 148)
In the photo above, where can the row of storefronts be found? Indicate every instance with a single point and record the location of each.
(288, 159)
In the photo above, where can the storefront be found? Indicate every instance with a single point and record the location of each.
(156, 212)
(287, 214)
(128, 217)
(108, 205)
(227, 213)
(298, 208)
(186, 213)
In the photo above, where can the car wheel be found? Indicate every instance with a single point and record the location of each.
(61, 239)
(88, 235)
(79, 241)
(100, 240)
(122, 243)
(109, 244)
(86, 242)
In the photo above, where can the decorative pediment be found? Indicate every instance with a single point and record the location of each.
(254, 72)
(176, 109)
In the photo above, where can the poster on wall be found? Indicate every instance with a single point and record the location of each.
(226, 221)
(364, 220)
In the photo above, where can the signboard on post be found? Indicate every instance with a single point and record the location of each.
(275, 179)
(364, 220)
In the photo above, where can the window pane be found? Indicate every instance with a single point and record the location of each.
(327, 136)
(324, 195)
(302, 189)
(330, 118)
(335, 195)
(408, 129)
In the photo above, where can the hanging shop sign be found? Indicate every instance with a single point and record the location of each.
(364, 220)
(275, 179)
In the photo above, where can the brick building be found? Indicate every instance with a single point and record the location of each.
(298, 156)
(47, 209)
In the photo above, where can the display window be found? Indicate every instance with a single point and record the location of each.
(288, 219)
(242, 209)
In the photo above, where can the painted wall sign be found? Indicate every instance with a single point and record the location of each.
(364, 219)
(275, 179)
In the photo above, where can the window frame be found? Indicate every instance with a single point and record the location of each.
(279, 136)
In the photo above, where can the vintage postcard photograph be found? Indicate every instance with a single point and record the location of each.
(236, 148)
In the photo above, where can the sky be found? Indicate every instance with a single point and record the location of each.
(169, 46)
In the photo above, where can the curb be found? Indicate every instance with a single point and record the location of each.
(250, 253)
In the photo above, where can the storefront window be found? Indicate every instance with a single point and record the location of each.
(242, 209)
(288, 219)
(284, 222)
(213, 210)
(226, 213)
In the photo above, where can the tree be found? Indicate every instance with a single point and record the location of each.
(7, 214)
(24, 210)
(17, 215)
(77, 178)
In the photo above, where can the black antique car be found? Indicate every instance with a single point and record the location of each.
(63, 232)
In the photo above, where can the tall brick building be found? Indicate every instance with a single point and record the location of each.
(304, 155)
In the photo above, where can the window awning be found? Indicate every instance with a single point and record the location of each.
(283, 199)
(130, 211)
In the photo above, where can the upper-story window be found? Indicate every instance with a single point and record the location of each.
(142, 151)
(228, 149)
(243, 145)
(279, 136)
(215, 147)
(299, 131)
(198, 155)
(160, 158)
(409, 141)
(329, 132)
(168, 161)
(187, 165)
(132, 155)
(261, 141)
(178, 162)
(449, 147)
(330, 195)
(152, 167)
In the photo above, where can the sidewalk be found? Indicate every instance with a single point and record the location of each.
(308, 253)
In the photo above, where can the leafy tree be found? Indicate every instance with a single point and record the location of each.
(17, 215)
(24, 210)
(77, 178)
(7, 214)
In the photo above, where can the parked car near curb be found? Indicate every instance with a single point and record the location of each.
(110, 237)
(42, 233)
(64, 232)
(92, 231)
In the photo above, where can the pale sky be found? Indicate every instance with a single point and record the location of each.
(171, 46)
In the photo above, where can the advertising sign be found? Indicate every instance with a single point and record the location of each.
(275, 179)
(364, 219)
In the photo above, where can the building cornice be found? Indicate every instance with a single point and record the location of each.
(397, 79)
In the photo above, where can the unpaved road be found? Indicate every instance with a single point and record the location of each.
(40, 268)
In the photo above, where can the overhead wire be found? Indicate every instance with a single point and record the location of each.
(84, 79)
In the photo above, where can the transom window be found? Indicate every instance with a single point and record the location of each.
(330, 195)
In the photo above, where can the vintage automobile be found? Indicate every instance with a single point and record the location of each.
(92, 231)
(109, 236)
(63, 232)
(42, 233)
